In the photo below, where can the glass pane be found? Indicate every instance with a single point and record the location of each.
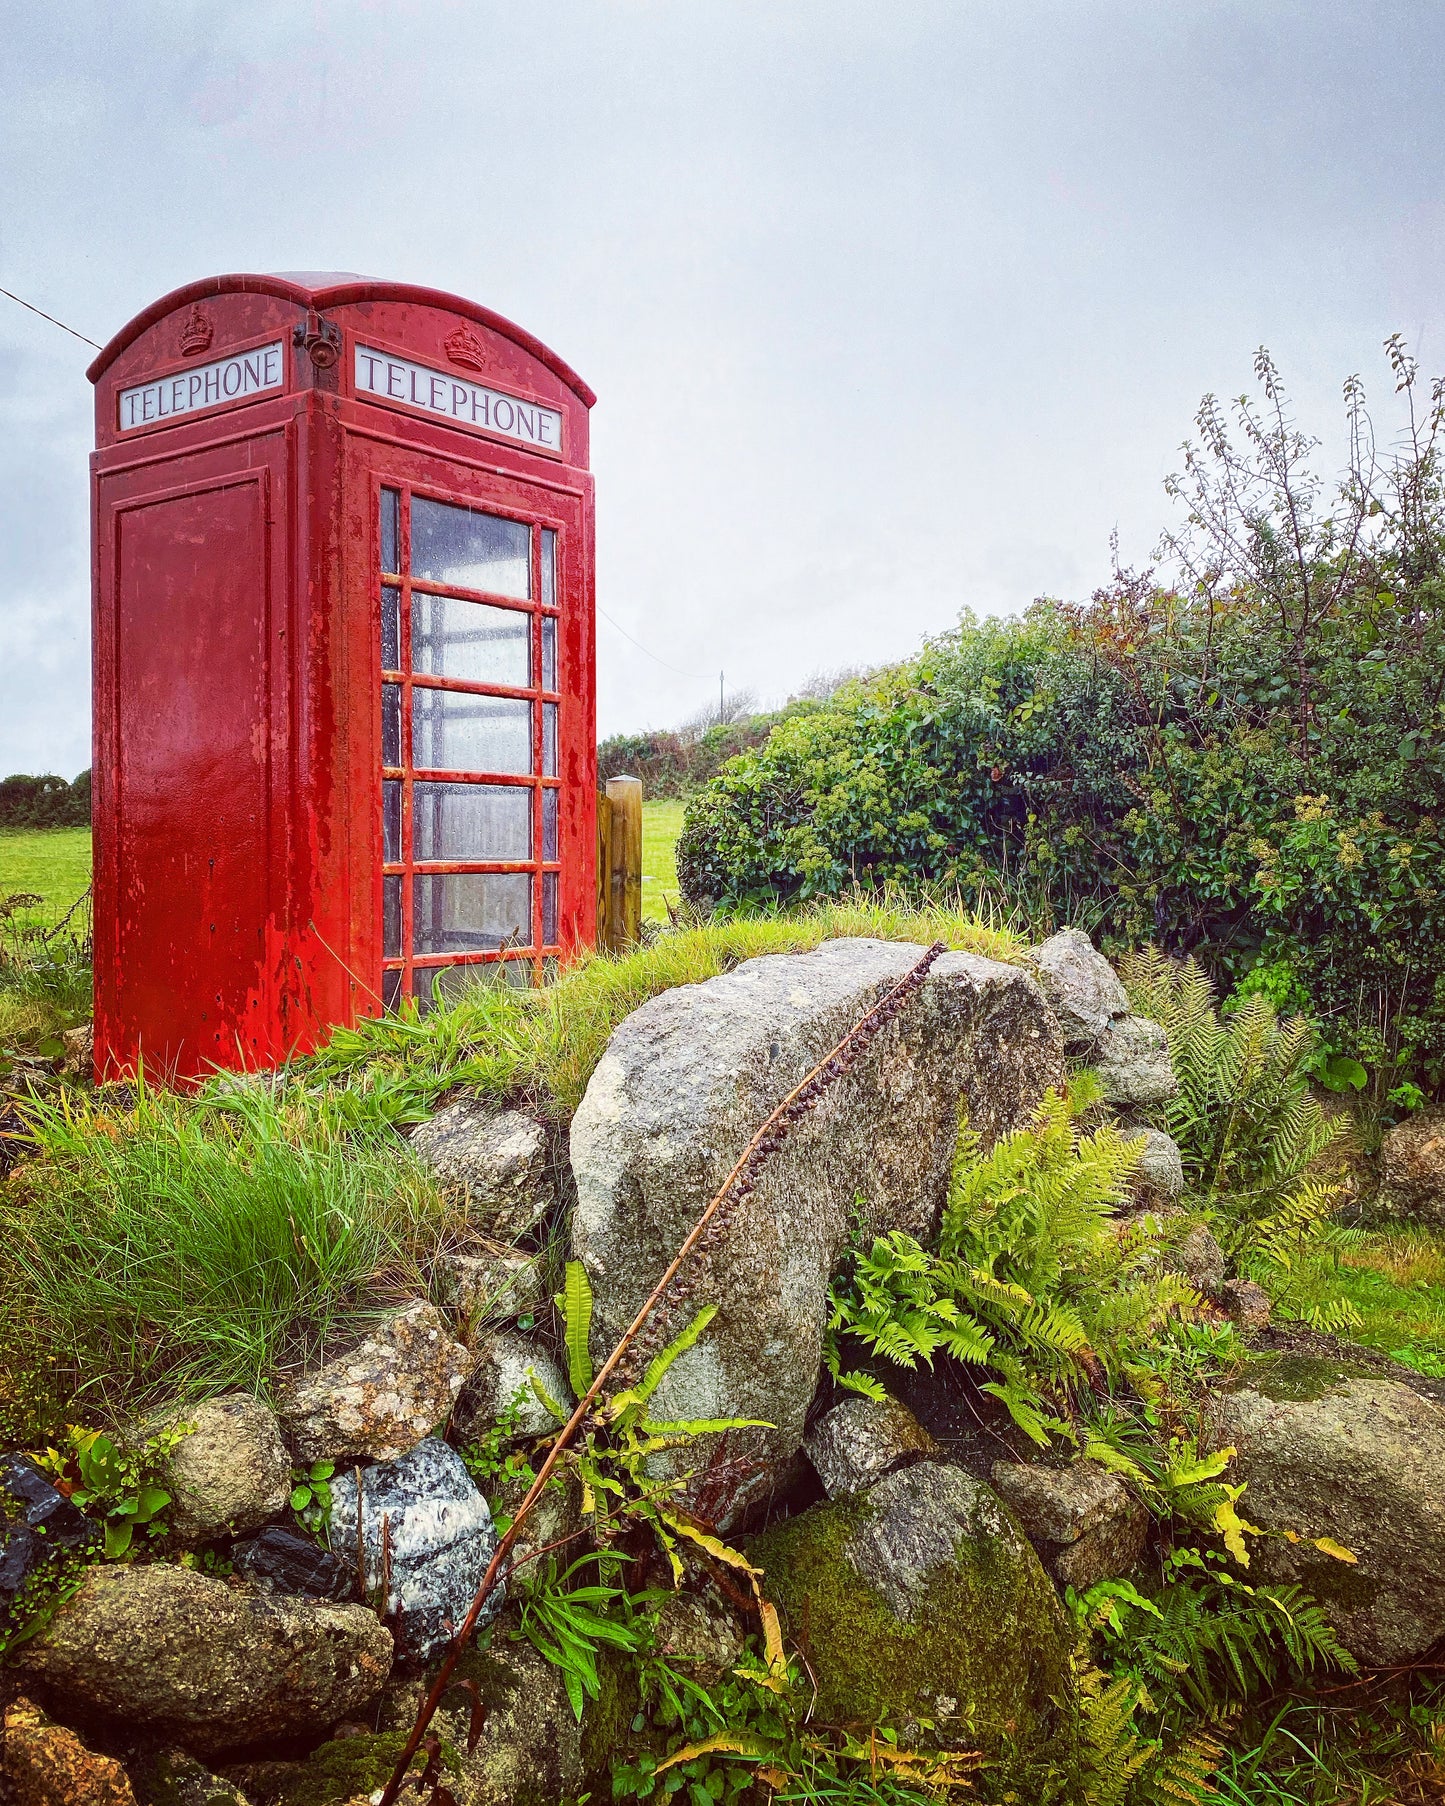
(471, 912)
(549, 739)
(549, 567)
(468, 640)
(549, 652)
(391, 916)
(549, 909)
(390, 989)
(390, 629)
(391, 724)
(452, 731)
(471, 821)
(474, 551)
(391, 821)
(390, 538)
(549, 823)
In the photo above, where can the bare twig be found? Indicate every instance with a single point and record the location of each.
(740, 1182)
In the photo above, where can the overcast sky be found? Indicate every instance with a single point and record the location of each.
(890, 308)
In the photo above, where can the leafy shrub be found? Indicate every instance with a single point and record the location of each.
(1248, 765)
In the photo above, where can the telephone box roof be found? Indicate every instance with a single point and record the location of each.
(335, 288)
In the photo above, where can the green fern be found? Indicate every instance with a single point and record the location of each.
(1258, 1149)
(1030, 1279)
(576, 1304)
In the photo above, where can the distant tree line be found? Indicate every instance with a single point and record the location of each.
(44, 802)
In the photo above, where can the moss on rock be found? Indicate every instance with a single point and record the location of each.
(922, 1600)
(1300, 1379)
(334, 1772)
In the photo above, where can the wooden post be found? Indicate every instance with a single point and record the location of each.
(619, 865)
(604, 871)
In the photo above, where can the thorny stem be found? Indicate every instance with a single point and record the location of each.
(738, 1184)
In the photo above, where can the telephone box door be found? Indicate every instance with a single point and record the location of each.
(192, 702)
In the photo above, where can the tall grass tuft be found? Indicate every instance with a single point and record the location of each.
(186, 1248)
(546, 1043)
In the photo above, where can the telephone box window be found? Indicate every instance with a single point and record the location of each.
(391, 821)
(390, 629)
(470, 641)
(455, 730)
(390, 538)
(549, 572)
(472, 912)
(391, 916)
(549, 739)
(472, 821)
(470, 739)
(391, 724)
(549, 652)
(470, 550)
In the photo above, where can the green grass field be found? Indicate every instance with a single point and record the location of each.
(51, 863)
(661, 825)
(54, 863)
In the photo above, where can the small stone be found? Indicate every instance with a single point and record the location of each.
(1412, 1168)
(555, 1519)
(177, 1779)
(1199, 1259)
(280, 1561)
(1246, 1304)
(700, 1633)
(424, 1510)
(179, 1655)
(229, 1474)
(922, 1598)
(1160, 1172)
(1081, 1519)
(46, 1764)
(494, 1162)
(861, 1440)
(490, 1283)
(1083, 989)
(383, 1397)
(532, 1750)
(503, 1368)
(1131, 1058)
(1059, 1504)
(1328, 1450)
(79, 1045)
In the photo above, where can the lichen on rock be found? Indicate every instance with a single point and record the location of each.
(922, 1599)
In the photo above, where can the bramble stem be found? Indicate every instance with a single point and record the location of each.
(739, 1182)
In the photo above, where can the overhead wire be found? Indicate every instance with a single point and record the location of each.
(20, 302)
(652, 655)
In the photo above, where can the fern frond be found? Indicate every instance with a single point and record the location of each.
(577, 1321)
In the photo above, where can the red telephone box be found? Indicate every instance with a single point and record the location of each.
(344, 670)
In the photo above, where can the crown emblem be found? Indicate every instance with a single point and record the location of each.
(464, 347)
(197, 333)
